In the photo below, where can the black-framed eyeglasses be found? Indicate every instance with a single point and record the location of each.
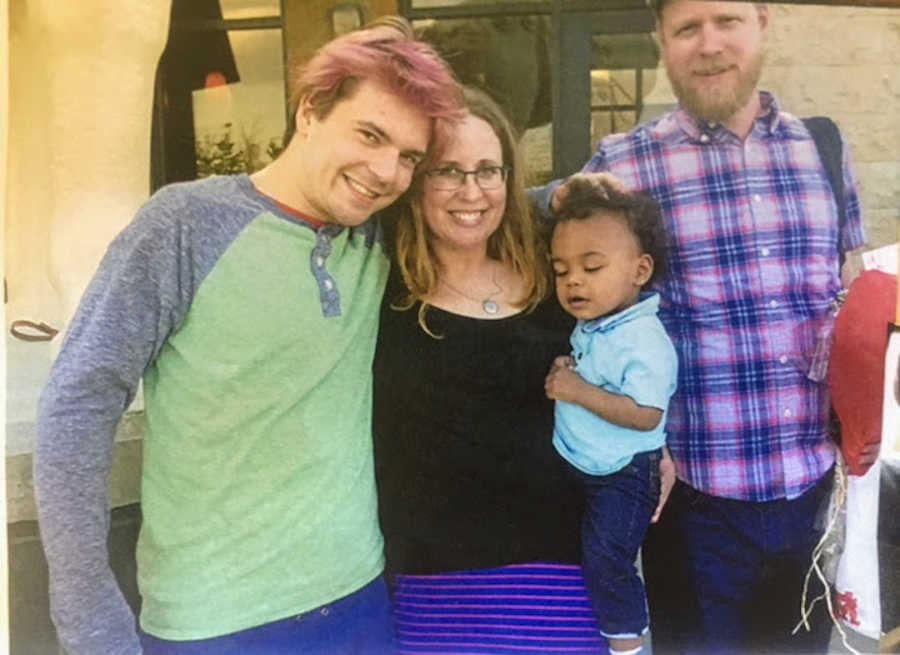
(450, 178)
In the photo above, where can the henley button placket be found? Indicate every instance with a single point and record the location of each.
(329, 295)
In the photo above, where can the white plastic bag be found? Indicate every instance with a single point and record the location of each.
(857, 600)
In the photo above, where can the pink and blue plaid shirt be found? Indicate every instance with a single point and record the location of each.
(754, 241)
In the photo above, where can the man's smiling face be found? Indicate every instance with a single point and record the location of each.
(360, 156)
(713, 53)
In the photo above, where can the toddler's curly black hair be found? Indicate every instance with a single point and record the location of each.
(638, 210)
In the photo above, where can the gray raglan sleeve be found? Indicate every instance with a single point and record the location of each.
(138, 295)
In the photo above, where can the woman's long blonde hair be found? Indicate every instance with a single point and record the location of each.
(515, 243)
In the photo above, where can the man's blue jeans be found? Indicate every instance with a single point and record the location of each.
(740, 553)
(359, 624)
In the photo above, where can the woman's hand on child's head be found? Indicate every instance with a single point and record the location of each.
(562, 382)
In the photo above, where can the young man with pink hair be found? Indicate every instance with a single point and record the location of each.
(249, 307)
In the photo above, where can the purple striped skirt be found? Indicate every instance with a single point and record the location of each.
(523, 608)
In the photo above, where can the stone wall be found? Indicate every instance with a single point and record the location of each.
(845, 62)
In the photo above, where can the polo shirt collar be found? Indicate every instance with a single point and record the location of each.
(647, 305)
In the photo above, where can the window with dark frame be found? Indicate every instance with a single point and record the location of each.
(567, 72)
(525, 43)
(216, 108)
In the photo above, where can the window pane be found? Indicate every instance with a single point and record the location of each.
(623, 71)
(509, 58)
(232, 9)
(419, 4)
(238, 127)
(610, 121)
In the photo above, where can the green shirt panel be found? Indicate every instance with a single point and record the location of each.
(258, 490)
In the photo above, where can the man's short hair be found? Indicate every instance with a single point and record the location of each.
(386, 52)
(658, 5)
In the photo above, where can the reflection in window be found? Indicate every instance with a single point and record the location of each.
(235, 9)
(219, 94)
(238, 127)
(509, 58)
(424, 4)
(623, 71)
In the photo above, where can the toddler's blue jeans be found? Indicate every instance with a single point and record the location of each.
(618, 510)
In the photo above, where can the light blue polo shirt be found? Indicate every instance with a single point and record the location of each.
(630, 354)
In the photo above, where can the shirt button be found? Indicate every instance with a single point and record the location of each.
(764, 252)
(329, 285)
(788, 413)
(773, 304)
(704, 138)
(757, 198)
(319, 262)
(783, 359)
(324, 611)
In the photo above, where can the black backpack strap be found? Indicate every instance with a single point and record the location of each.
(827, 137)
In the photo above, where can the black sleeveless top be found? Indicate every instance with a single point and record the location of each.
(467, 475)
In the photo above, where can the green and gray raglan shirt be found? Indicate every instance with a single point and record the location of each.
(254, 334)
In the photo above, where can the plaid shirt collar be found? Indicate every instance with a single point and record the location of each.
(681, 127)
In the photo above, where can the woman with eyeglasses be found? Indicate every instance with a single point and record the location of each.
(468, 478)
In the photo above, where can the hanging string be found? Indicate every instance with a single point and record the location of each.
(819, 553)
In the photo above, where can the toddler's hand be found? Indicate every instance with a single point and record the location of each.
(562, 382)
(563, 361)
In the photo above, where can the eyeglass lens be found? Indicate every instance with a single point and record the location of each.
(487, 177)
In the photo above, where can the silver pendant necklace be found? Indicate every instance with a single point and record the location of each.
(488, 304)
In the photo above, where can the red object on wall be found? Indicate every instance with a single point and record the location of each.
(856, 364)
(214, 79)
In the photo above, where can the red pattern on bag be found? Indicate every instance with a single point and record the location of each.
(847, 607)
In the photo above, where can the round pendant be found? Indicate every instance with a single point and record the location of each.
(490, 306)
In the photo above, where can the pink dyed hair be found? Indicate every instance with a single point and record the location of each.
(386, 52)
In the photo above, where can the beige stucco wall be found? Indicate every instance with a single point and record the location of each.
(81, 89)
(4, 134)
(81, 79)
(81, 94)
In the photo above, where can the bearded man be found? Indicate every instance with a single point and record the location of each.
(755, 248)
